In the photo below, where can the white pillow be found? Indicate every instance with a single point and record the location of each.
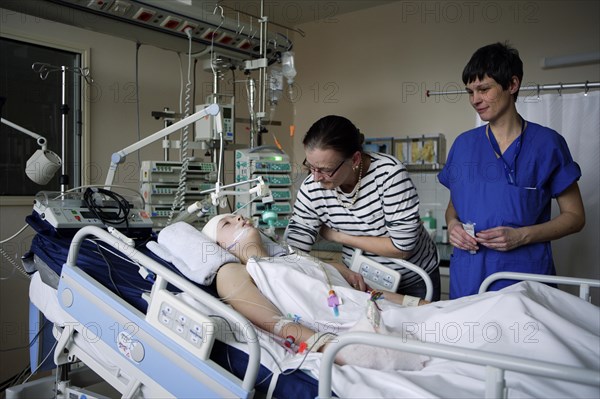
(195, 255)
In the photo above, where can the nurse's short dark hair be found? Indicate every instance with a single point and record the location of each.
(336, 133)
(499, 61)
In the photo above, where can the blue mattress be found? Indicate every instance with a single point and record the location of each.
(123, 279)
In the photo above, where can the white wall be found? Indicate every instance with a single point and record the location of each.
(375, 66)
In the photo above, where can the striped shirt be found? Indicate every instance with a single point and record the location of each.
(387, 206)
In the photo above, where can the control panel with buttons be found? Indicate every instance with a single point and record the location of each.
(182, 323)
(376, 275)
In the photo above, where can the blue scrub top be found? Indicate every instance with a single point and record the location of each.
(481, 194)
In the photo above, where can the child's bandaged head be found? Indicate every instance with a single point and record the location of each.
(210, 229)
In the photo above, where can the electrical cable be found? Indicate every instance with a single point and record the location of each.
(50, 352)
(137, 192)
(179, 200)
(109, 267)
(18, 267)
(194, 91)
(90, 197)
(15, 235)
(16, 379)
(30, 344)
(115, 270)
(137, 94)
(269, 352)
(10, 259)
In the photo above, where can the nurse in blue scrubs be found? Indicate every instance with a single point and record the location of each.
(502, 177)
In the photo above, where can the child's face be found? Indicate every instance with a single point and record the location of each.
(235, 229)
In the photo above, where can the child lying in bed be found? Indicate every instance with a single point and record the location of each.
(339, 305)
(289, 295)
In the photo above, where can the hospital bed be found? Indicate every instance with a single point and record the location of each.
(111, 303)
(125, 342)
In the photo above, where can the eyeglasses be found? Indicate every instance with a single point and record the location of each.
(326, 172)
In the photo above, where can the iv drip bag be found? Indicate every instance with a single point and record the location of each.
(287, 66)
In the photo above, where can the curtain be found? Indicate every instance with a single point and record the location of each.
(577, 118)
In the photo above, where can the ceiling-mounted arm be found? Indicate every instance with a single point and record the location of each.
(43, 164)
(119, 156)
(41, 140)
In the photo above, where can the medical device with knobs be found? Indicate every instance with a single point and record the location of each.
(68, 212)
(204, 128)
(273, 166)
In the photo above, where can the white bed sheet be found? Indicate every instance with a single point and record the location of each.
(529, 319)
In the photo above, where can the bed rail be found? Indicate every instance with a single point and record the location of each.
(496, 364)
(583, 283)
(422, 273)
(164, 276)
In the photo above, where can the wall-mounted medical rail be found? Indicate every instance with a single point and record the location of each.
(297, 30)
(538, 88)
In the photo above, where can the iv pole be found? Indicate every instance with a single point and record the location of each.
(44, 69)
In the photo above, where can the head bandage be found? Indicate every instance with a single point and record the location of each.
(210, 228)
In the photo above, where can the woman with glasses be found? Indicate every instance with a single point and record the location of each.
(502, 177)
(362, 200)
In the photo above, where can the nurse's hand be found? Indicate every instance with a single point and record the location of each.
(500, 238)
(459, 238)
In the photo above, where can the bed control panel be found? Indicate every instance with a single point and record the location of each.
(182, 323)
(376, 275)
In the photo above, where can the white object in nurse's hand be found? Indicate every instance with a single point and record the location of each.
(470, 229)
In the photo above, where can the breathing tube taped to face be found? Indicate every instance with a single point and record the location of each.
(238, 237)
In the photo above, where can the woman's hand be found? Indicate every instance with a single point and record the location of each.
(500, 238)
(354, 279)
(459, 238)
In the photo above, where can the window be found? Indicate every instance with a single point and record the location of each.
(34, 101)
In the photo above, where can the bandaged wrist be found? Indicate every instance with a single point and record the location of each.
(280, 324)
(316, 342)
(410, 300)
